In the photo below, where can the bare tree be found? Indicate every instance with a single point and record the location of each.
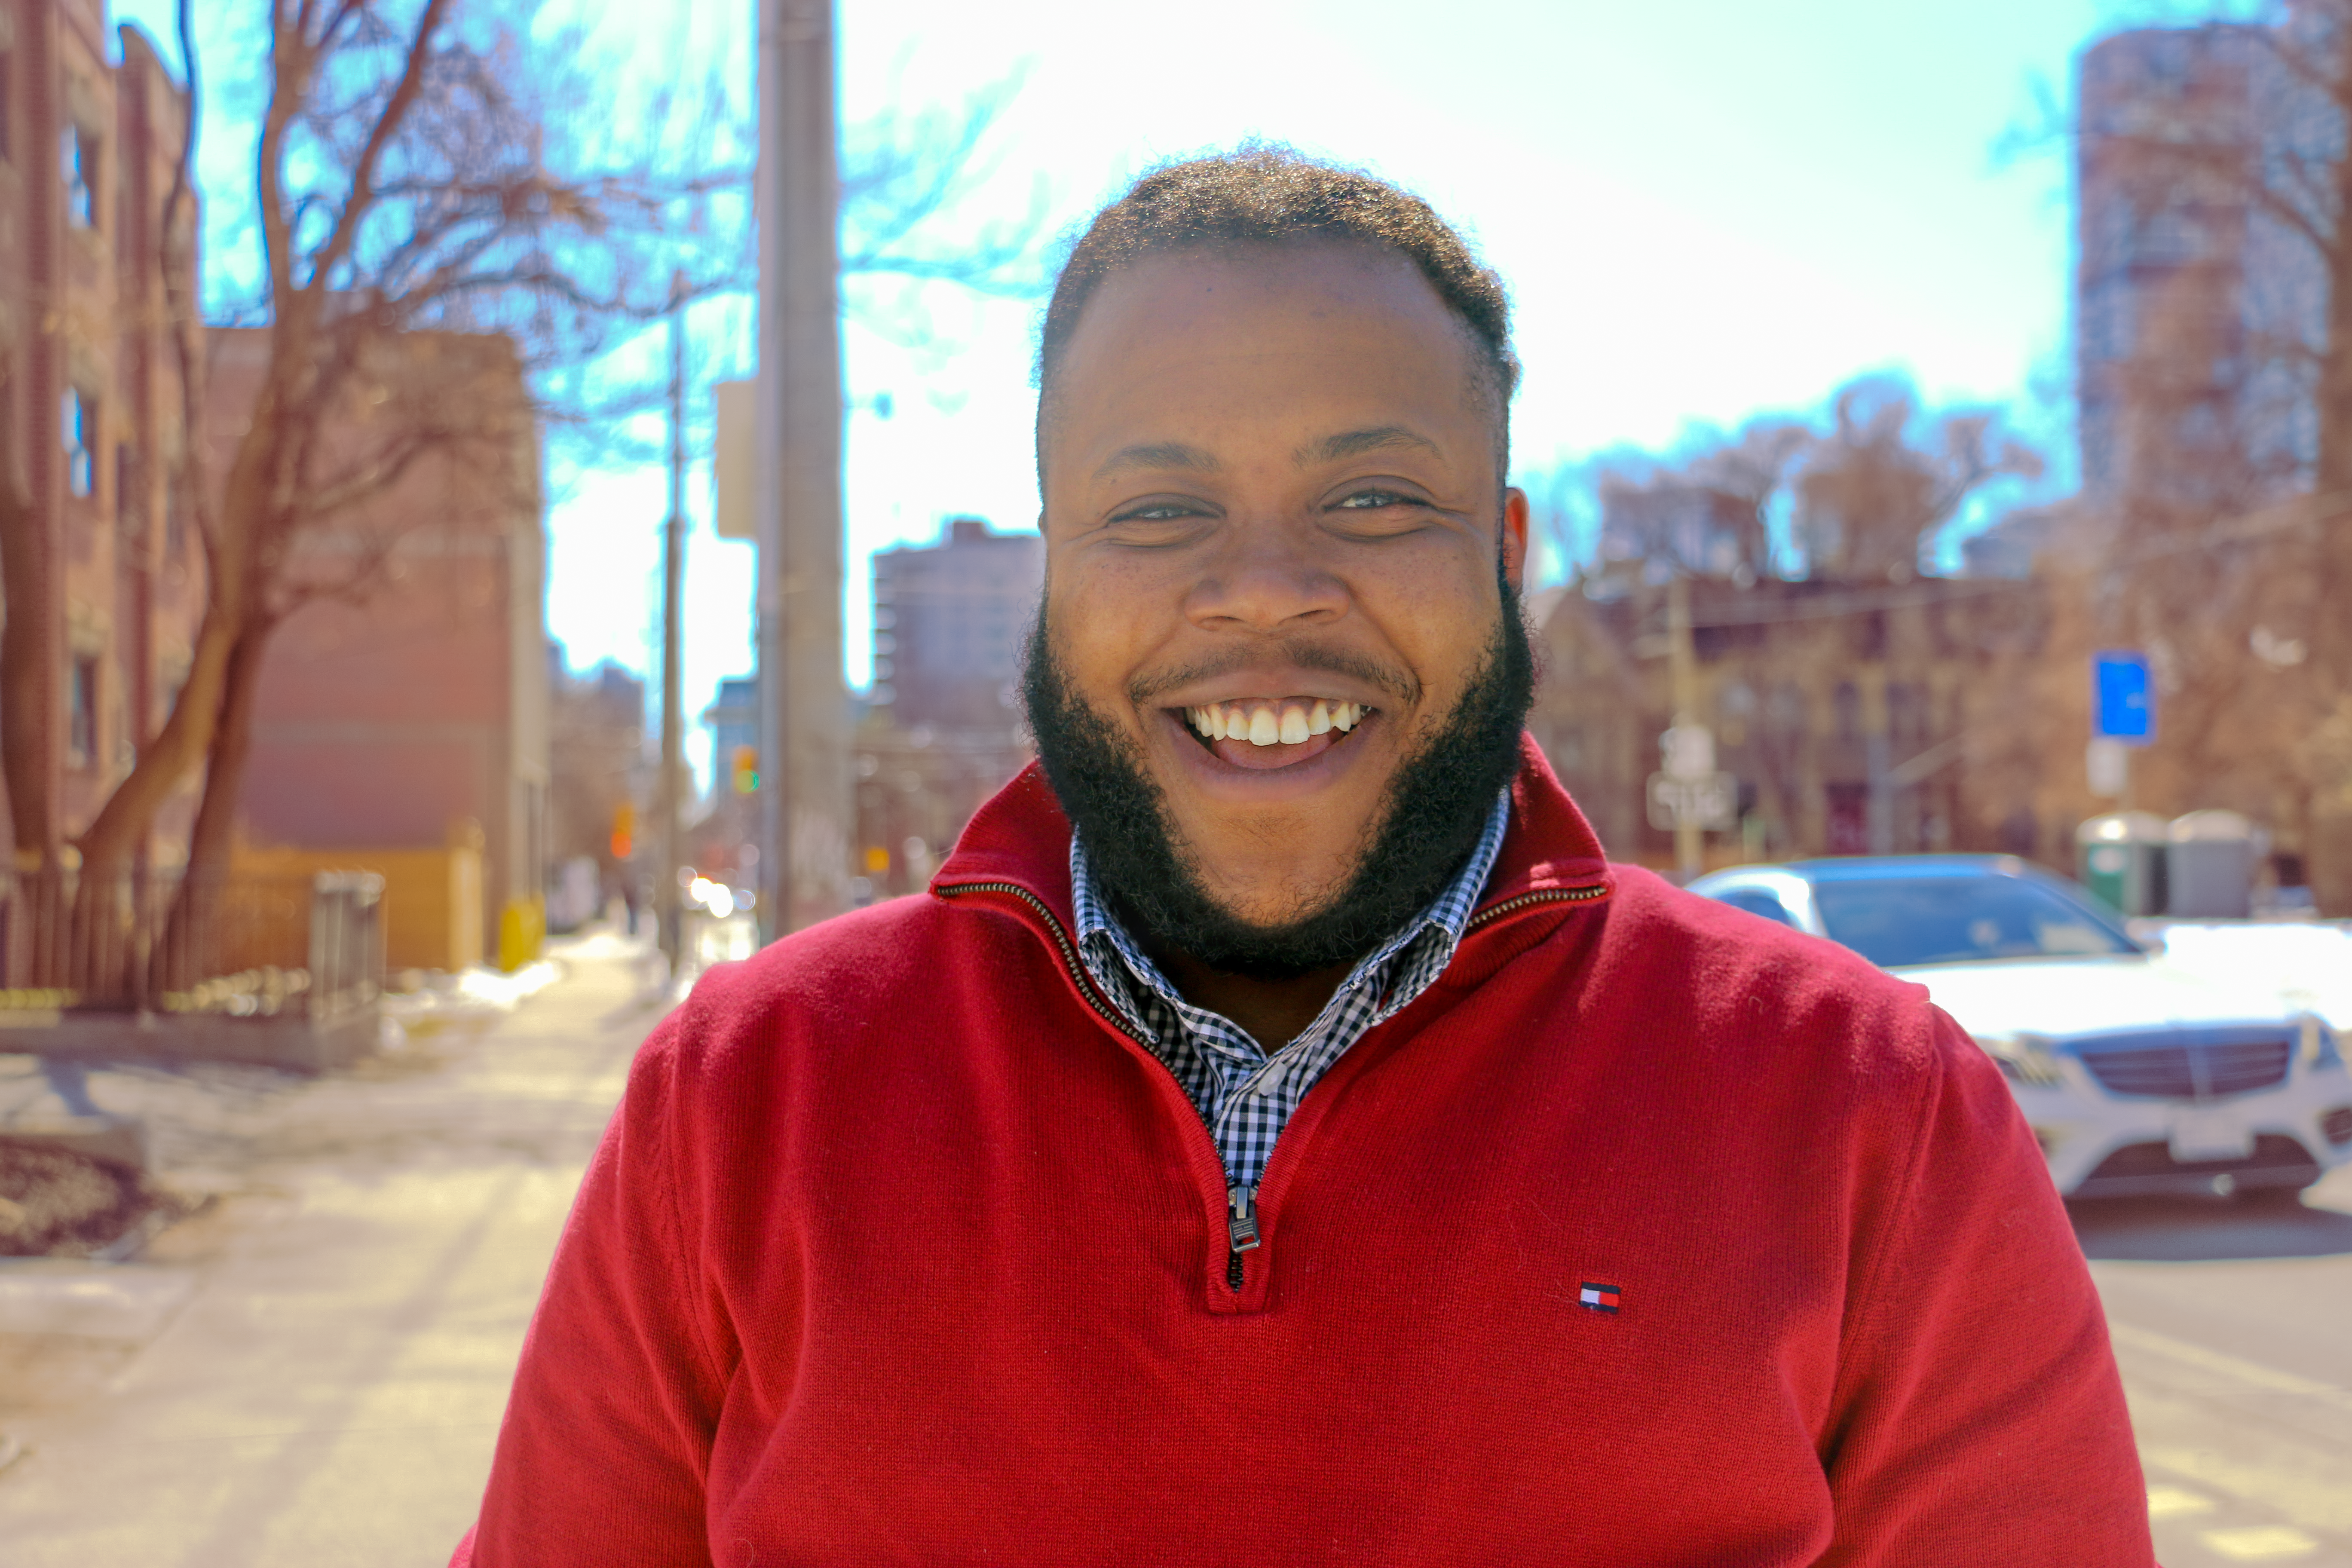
(1866, 490)
(418, 172)
(401, 187)
(1886, 477)
(2218, 268)
(1704, 511)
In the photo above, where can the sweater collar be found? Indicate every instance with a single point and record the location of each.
(1020, 836)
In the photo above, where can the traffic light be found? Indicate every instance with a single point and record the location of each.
(625, 830)
(747, 770)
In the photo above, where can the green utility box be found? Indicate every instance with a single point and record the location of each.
(2121, 858)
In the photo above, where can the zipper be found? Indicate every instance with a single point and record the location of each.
(1542, 896)
(1070, 959)
(1241, 1230)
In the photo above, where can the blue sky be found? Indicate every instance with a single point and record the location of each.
(1704, 211)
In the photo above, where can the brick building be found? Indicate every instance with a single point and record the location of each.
(947, 623)
(104, 582)
(943, 729)
(410, 712)
(1857, 719)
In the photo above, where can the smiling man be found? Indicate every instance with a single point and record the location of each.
(1279, 1133)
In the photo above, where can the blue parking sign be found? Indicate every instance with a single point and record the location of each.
(2124, 709)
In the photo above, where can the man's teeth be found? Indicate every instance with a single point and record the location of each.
(1273, 723)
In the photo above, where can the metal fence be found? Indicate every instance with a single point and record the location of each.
(243, 946)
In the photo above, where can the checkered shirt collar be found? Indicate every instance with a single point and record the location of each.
(1244, 1093)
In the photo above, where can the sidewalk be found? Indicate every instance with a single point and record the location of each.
(311, 1371)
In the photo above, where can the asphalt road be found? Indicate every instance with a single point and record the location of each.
(2233, 1328)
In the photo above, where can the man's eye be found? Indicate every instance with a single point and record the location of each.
(1157, 511)
(1366, 500)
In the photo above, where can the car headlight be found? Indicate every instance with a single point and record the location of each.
(2026, 1059)
(2319, 1044)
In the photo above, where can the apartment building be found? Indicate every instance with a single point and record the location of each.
(103, 576)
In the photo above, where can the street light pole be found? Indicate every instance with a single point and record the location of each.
(665, 791)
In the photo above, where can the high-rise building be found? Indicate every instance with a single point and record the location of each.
(949, 620)
(734, 719)
(942, 727)
(2198, 302)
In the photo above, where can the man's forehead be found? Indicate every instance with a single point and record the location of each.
(1321, 287)
(1237, 312)
(1161, 456)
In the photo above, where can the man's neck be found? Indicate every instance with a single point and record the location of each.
(1275, 1011)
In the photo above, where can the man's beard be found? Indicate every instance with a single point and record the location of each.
(1431, 817)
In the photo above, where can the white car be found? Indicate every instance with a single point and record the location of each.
(2138, 1077)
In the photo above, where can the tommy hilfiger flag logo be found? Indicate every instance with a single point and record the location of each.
(1600, 1298)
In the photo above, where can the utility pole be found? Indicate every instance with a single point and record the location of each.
(1683, 662)
(806, 820)
(666, 908)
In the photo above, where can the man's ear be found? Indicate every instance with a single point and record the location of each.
(1515, 537)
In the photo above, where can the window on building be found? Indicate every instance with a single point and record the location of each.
(1847, 704)
(77, 424)
(77, 155)
(82, 712)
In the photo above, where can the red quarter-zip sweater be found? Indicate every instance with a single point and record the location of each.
(1653, 1233)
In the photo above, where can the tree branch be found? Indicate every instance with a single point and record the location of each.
(387, 125)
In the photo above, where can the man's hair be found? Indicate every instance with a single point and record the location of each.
(1265, 194)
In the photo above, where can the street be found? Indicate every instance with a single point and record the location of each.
(2233, 1328)
(311, 1371)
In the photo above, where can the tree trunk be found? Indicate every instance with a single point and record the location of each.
(211, 842)
(29, 678)
(2329, 848)
(30, 681)
(112, 839)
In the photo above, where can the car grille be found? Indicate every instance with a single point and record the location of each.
(2189, 1067)
(2272, 1152)
(2148, 1170)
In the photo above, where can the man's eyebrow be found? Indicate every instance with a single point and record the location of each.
(1158, 455)
(1356, 443)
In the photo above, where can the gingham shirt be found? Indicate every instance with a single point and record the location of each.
(1244, 1094)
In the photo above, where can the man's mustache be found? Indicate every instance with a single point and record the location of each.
(1303, 652)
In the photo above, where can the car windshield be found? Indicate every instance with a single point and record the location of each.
(1896, 921)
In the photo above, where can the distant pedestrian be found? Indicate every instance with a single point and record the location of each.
(1279, 1135)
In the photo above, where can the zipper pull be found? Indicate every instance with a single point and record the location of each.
(1242, 1226)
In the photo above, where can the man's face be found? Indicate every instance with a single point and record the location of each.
(1272, 515)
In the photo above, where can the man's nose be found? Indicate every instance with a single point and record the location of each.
(1267, 576)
